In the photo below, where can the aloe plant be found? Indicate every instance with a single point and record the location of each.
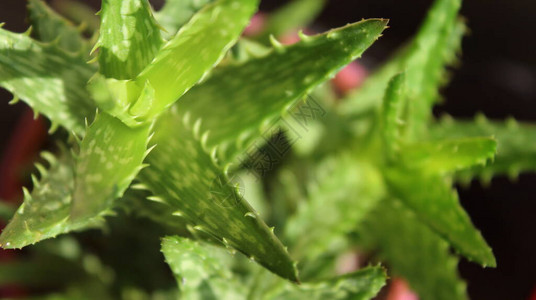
(162, 118)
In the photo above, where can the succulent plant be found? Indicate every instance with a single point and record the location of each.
(169, 130)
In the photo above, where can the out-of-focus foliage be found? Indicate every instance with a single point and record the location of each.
(183, 142)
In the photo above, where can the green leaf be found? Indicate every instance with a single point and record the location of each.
(196, 48)
(426, 66)
(200, 270)
(79, 12)
(413, 251)
(434, 201)
(361, 285)
(176, 13)
(129, 38)
(50, 80)
(447, 156)
(516, 144)
(344, 191)
(239, 101)
(293, 16)
(184, 175)
(393, 115)
(424, 59)
(45, 212)
(51, 27)
(111, 155)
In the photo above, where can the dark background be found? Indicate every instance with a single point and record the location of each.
(497, 77)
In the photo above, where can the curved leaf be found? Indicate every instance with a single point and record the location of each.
(239, 101)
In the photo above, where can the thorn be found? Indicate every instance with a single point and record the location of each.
(53, 127)
(27, 195)
(214, 154)
(82, 27)
(76, 138)
(204, 139)
(149, 150)
(156, 199)
(28, 31)
(304, 37)
(197, 128)
(15, 100)
(35, 181)
(186, 119)
(93, 60)
(49, 157)
(41, 169)
(276, 44)
(251, 215)
(140, 187)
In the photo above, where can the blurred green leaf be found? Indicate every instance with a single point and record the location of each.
(294, 15)
(423, 59)
(200, 270)
(50, 80)
(435, 203)
(516, 146)
(413, 251)
(392, 118)
(51, 27)
(344, 191)
(447, 156)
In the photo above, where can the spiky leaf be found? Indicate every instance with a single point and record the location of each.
(50, 80)
(51, 27)
(196, 48)
(393, 119)
(423, 58)
(516, 146)
(202, 273)
(413, 251)
(129, 38)
(79, 12)
(434, 201)
(111, 156)
(237, 100)
(448, 156)
(45, 212)
(361, 285)
(185, 176)
(200, 270)
(342, 194)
